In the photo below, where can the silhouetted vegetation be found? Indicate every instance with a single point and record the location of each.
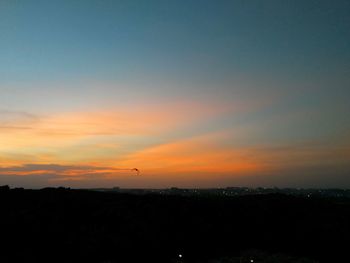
(63, 225)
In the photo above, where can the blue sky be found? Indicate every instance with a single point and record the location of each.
(268, 73)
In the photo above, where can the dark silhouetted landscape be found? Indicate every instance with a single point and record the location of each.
(65, 225)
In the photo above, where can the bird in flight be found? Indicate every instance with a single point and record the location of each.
(136, 170)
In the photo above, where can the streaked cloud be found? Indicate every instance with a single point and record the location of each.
(16, 120)
(57, 172)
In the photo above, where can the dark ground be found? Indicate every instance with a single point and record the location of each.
(62, 225)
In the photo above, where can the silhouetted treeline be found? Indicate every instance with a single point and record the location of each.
(63, 225)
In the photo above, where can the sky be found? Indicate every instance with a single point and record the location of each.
(192, 93)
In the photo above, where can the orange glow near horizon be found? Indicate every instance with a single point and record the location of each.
(108, 143)
(163, 141)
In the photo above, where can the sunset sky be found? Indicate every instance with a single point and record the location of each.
(192, 93)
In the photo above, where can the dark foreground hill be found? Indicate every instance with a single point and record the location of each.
(62, 225)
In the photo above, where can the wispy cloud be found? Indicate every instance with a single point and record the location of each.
(57, 172)
(11, 115)
(70, 134)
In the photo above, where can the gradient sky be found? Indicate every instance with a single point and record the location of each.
(192, 93)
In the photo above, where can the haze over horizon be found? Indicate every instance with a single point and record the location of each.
(192, 93)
